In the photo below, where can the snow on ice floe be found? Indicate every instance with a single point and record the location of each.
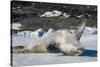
(89, 42)
(90, 31)
(89, 39)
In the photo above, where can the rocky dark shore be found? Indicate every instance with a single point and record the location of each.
(28, 15)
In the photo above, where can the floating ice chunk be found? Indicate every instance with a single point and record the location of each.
(24, 33)
(16, 26)
(37, 33)
(18, 7)
(79, 16)
(66, 15)
(54, 13)
(57, 13)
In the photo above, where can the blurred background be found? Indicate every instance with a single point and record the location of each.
(34, 15)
